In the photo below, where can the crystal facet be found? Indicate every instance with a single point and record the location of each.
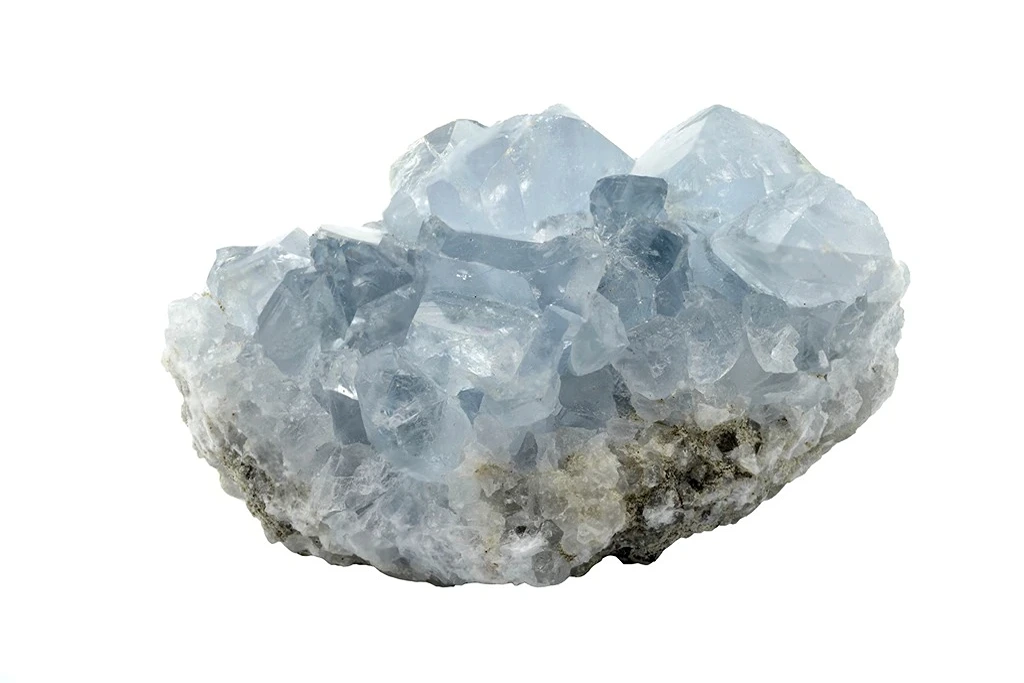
(545, 353)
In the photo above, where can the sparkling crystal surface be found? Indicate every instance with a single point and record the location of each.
(545, 353)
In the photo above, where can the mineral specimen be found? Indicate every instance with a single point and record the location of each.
(546, 353)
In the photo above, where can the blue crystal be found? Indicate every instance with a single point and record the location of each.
(292, 324)
(407, 416)
(618, 199)
(720, 163)
(545, 352)
(506, 179)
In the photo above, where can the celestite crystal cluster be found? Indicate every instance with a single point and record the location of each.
(546, 353)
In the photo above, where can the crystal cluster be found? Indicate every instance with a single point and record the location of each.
(546, 353)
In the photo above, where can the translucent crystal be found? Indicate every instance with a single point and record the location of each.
(503, 180)
(796, 245)
(243, 278)
(407, 416)
(544, 353)
(720, 163)
(601, 339)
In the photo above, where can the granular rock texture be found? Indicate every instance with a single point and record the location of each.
(546, 353)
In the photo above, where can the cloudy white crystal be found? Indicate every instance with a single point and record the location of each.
(545, 353)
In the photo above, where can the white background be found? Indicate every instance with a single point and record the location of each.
(136, 138)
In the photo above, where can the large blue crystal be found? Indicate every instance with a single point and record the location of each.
(546, 352)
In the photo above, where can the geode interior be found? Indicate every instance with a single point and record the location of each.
(546, 353)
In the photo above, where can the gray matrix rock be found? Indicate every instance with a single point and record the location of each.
(546, 353)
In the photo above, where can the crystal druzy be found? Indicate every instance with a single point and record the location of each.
(546, 352)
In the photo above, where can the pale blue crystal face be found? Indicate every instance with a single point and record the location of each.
(797, 245)
(538, 305)
(504, 180)
(720, 163)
